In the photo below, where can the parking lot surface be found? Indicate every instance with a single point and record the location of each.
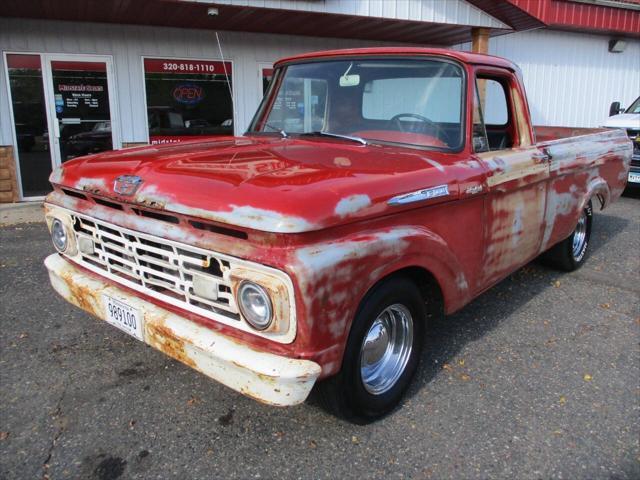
(537, 378)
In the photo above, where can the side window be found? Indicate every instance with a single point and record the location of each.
(493, 128)
(496, 111)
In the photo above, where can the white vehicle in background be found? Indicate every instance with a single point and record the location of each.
(628, 120)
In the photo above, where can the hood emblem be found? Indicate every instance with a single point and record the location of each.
(127, 185)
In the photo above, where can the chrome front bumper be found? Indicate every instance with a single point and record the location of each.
(266, 377)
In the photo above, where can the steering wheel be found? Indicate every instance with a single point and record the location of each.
(438, 132)
(396, 121)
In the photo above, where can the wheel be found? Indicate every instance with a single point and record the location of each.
(381, 355)
(571, 253)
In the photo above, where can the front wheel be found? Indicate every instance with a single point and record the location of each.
(382, 353)
(571, 253)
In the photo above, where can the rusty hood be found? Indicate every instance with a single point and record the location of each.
(262, 183)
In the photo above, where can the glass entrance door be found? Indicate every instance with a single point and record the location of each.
(81, 106)
(30, 124)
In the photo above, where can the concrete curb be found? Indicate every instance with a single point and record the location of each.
(24, 212)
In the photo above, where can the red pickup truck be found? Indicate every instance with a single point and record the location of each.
(375, 188)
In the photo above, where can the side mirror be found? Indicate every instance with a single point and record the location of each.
(614, 109)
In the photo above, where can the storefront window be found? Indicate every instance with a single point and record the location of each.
(187, 98)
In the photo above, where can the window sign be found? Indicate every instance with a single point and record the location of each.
(187, 99)
(81, 96)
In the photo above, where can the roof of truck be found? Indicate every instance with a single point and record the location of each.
(466, 57)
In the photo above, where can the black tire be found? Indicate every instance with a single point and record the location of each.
(563, 256)
(345, 394)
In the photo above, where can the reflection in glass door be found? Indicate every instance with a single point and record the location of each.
(82, 114)
(30, 123)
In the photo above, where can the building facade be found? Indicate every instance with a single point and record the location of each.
(74, 82)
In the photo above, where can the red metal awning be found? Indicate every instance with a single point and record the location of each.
(614, 17)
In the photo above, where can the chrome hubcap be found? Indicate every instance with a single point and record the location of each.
(580, 236)
(386, 349)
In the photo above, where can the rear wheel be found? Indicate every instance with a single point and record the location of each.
(571, 253)
(382, 353)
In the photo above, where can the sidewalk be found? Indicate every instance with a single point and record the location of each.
(23, 212)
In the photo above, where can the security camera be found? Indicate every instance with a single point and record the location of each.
(212, 12)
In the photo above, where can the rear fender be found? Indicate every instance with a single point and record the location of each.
(598, 188)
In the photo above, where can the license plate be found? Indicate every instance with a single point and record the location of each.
(634, 177)
(123, 316)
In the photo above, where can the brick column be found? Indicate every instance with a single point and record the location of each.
(8, 177)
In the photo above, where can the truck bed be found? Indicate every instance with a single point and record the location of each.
(547, 134)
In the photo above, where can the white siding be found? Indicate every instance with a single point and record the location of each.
(457, 12)
(571, 78)
(127, 44)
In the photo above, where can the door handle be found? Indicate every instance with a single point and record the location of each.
(56, 128)
(542, 156)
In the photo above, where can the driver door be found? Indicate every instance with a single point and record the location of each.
(517, 174)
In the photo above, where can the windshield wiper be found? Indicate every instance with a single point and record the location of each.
(335, 135)
(276, 129)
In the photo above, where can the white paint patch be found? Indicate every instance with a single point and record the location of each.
(517, 227)
(239, 215)
(91, 184)
(328, 255)
(461, 282)
(260, 219)
(350, 205)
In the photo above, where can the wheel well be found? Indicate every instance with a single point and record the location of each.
(601, 199)
(427, 284)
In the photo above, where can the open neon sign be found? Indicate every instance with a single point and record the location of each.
(188, 93)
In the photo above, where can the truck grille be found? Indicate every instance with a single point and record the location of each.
(634, 136)
(156, 266)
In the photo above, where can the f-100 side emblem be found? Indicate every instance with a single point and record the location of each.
(126, 185)
(420, 195)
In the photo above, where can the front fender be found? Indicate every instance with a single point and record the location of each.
(333, 277)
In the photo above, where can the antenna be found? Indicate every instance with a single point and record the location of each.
(224, 66)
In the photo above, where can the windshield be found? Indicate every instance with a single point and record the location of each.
(405, 101)
(635, 107)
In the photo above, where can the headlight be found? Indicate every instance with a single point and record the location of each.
(255, 305)
(59, 235)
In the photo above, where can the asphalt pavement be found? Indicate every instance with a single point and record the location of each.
(538, 378)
